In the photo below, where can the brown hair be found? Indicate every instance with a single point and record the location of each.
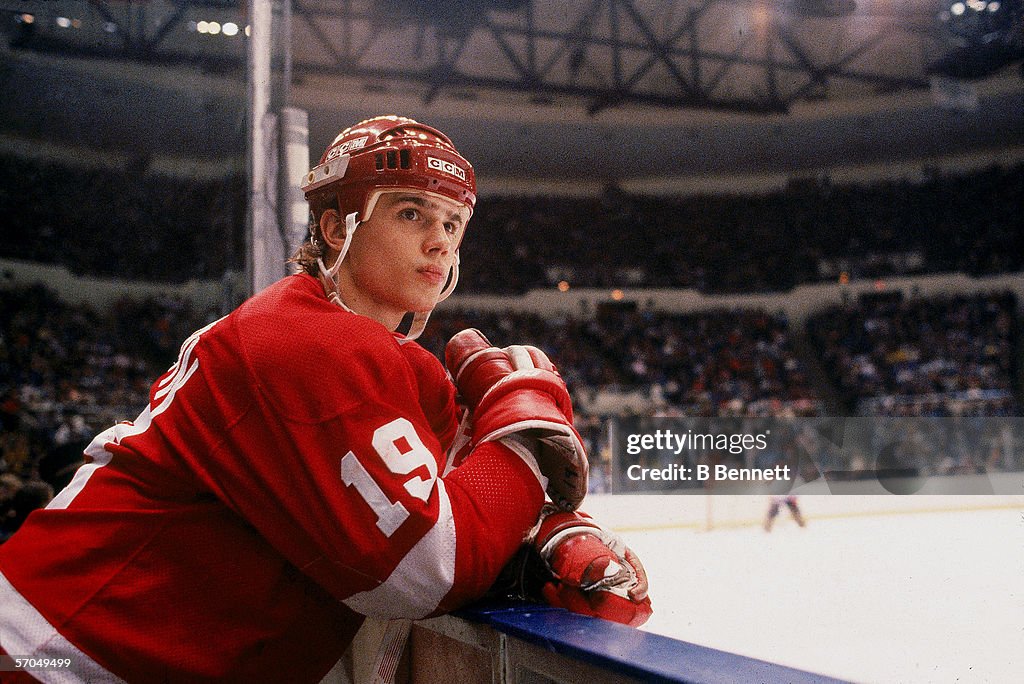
(306, 256)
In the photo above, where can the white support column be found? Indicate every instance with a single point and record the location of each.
(262, 236)
(295, 217)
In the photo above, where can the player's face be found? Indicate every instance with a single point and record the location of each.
(400, 258)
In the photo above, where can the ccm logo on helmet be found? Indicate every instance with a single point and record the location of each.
(446, 167)
(348, 146)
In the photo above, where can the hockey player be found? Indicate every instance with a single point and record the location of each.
(291, 473)
(776, 502)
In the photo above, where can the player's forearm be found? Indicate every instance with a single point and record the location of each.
(496, 499)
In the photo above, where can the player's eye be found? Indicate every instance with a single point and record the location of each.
(451, 228)
(409, 214)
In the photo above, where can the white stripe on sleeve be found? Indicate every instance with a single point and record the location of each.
(422, 578)
(24, 632)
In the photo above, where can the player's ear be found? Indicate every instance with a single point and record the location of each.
(332, 228)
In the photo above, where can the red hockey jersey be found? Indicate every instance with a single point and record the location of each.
(287, 478)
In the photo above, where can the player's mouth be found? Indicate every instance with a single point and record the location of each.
(433, 274)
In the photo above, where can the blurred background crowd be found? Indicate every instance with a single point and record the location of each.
(812, 231)
(68, 371)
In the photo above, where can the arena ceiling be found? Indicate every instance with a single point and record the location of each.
(606, 90)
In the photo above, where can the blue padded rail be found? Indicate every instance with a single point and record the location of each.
(627, 651)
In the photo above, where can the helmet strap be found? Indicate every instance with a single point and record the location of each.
(419, 320)
(329, 276)
(452, 282)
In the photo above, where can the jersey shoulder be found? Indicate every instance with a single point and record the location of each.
(435, 389)
(313, 359)
(426, 365)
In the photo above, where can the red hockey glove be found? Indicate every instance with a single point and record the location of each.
(517, 392)
(594, 572)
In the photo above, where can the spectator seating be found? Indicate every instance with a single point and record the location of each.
(138, 225)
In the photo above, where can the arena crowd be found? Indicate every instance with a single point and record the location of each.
(67, 372)
(814, 230)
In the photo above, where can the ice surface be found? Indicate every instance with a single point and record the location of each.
(923, 597)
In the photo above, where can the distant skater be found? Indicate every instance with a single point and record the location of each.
(773, 511)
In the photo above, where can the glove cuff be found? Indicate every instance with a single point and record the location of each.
(559, 525)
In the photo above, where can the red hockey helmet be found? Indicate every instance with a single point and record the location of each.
(385, 153)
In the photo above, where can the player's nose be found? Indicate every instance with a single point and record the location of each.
(437, 238)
